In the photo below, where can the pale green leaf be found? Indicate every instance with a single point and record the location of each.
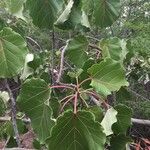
(73, 17)
(15, 7)
(108, 120)
(107, 76)
(13, 50)
(32, 100)
(27, 71)
(77, 132)
(114, 48)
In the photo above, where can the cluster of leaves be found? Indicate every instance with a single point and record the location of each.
(77, 117)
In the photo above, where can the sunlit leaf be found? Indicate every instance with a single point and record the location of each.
(107, 76)
(12, 53)
(108, 120)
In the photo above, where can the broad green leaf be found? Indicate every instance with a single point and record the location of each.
(123, 119)
(73, 17)
(108, 120)
(107, 76)
(32, 100)
(76, 51)
(12, 53)
(44, 12)
(106, 12)
(15, 7)
(77, 132)
(119, 142)
(114, 48)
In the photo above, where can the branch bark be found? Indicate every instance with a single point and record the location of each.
(61, 63)
(13, 113)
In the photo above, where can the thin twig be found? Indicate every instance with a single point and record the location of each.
(13, 113)
(66, 103)
(84, 81)
(5, 118)
(61, 86)
(95, 47)
(33, 41)
(66, 98)
(140, 121)
(75, 102)
(84, 101)
(61, 63)
(52, 56)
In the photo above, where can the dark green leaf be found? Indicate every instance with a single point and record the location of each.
(123, 119)
(32, 100)
(77, 132)
(106, 12)
(76, 51)
(44, 12)
(119, 142)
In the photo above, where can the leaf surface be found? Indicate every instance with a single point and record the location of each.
(106, 12)
(77, 132)
(12, 53)
(107, 76)
(44, 12)
(32, 100)
(76, 51)
(123, 119)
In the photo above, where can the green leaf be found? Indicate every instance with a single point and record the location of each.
(12, 53)
(44, 12)
(107, 76)
(114, 48)
(73, 17)
(15, 7)
(76, 73)
(119, 142)
(55, 105)
(98, 113)
(76, 51)
(123, 119)
(77, 132)
(32, 100)
(108, 120)
(106, 12)
(27, 71)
